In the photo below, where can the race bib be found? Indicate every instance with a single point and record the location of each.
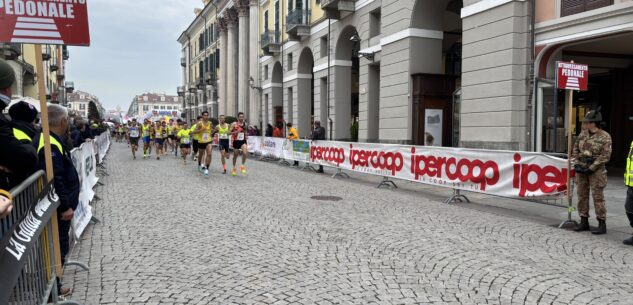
(224, 136)
(134, 133)
(158, 135)
(185, 141)
(240, 136)
(206, 137)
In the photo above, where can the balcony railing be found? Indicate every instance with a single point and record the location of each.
(65, 53)
(183, 62)
(298, 17)
(270, 37)
(54, 65)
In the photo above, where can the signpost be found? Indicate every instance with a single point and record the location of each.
(570, 77)
(51, 23)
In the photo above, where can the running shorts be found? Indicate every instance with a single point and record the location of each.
(146, 139)
(238, 144)
(134, 141)
(224, 145)
(203, 146)
(159, 141)
(185, 145)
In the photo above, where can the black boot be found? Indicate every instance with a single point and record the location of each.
(628, 242)
(583, 225)
(601, 229)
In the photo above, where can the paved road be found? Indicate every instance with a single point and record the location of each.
(170, 236)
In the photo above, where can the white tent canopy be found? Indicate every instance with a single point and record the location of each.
(27, 99)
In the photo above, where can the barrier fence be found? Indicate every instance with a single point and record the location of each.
(511, 174)
(27, 249)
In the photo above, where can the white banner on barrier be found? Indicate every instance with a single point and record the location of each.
(103, 144)
(254, 144)
(272, 147)
(83, 160)
(500, 173)
(297, 150)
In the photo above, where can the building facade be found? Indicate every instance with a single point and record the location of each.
(79, 100)
(220, 60)
(154, 104)
(22, 58)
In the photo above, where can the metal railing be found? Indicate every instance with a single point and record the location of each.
(270, 37)
(298, 17)
(37, 280)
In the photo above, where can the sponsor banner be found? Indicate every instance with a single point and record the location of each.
(499, 173)
(297, 150)
(85, 164)
(45, 22)
(272, 147)
(103, 144)
(254, 144)
(19, 241)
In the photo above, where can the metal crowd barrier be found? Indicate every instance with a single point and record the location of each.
(37, 283)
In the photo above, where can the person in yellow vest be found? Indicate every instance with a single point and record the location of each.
(224, 132)
(628, 181)
(293, 134)
(23, 116)
(146, 131)
(184, 137)
(66, 181)
(204, 130)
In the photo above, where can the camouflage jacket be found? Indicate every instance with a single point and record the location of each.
(592, 151)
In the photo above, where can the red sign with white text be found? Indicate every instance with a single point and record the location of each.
(45, 22)
(572, 76)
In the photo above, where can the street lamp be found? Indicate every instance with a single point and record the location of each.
(251, 81)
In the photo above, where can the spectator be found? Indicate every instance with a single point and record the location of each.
(269, 130)
(86, 133)
(76, 132)
(293, 134)
(318, 134)
(251, 131)
(278, 132)
(23, 116)
(257, 132)
(6, 204)
(66, 180)
(17, 159)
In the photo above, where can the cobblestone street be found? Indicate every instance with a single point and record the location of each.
(170, 236)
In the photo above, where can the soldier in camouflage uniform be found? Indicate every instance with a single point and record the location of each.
(591, 152)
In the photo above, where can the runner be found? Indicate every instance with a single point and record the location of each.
(184, 138)
(146, 128)
(133, 135)
(205, 142)
(164, 146)
(194, 156)
(159, 135)
(223, 131)
(239, 142)
(171, 135)
(120, 133)
(175, 129)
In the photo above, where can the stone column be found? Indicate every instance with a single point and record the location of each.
(223, 66)
(243, 66)
(255, 109)
(231, 58)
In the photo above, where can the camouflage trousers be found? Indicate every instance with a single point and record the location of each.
(595, 182)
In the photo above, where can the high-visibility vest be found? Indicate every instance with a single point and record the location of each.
(21, 135)
(628, 175)
(53, 141)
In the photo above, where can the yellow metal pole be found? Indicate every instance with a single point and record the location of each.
(569, 97)
(39, 64)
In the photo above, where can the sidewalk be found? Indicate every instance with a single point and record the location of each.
(615, 194)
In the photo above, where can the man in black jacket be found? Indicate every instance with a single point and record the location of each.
(23, 116)
(318, 134)
(66, 178)
(17, 159)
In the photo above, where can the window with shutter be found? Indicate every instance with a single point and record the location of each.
(571, 7)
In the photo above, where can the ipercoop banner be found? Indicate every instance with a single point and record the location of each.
(500, 173)
(45, 22)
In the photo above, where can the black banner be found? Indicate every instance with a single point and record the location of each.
(16, 245)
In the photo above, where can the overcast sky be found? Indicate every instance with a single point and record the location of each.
(133, 49)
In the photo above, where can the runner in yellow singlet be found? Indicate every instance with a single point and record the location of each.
(159, 136)
(184, 137)
(224, 132)
(204, 131)
(146, 129)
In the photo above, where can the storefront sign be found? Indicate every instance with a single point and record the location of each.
(572, 76)
(44, 22)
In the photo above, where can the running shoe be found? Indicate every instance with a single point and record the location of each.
(234, 172)
(243, 169)
(206, 172)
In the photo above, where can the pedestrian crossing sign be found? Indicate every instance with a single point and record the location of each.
(572, 76)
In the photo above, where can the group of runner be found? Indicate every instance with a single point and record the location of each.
(199, 136)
